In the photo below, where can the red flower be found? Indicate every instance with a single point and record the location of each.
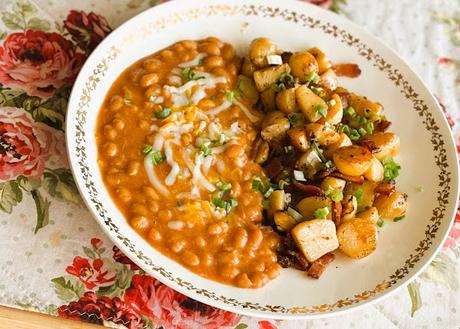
(322, 3)
(454, 233)
(87, 30)
(266, 325)
(91, 275)
(121, 258)
(445, 60)
(25, 145)
(169, 308)
(90, 308)
(38, 62)
(96, 243)
(450, 121)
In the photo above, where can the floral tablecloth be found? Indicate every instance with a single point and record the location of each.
(54, 257)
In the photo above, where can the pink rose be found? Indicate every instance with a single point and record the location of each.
(322, 3)
(38, 62)
(93, 274)
(25, 145)
(454, 234)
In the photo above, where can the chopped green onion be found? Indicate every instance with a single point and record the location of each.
(317, 90)
(282, 183)
(224, 186)
(329, 164)
(230, 95)
(179, 203)
(257, 185)
(354, 135)
(277, 87)
(362, 131)
(318, 151)
(398, 219)
(294, 214)
(335, 195)
(163, 113)
(157, 157)
(312, 77)
(321, 213)
(390, 169)
(201, 62)
(269, 192)
(380, 222)
(295, 119)
(350, 111)
(205, 150)
(147, 149)
(359, 193)
(321, 109)
(265, 204)
(369, 127)
(190, 74)
(227, 205)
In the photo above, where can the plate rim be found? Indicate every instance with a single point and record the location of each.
(327, 16)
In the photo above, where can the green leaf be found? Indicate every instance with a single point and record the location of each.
(38, 24)
(68, 290)
(415, 297)
(122, 282)
(241, 326)
(24, 8)
(11, 97)
(88, 252)
(3, 35)
(49, 116)
(59, 183)
(13, 21)
(28, 184)
(10, 196)
(442, 270)
(42, 207)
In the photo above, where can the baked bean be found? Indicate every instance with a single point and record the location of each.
(240, 238)
(110, 133)
(213, 61)
(215, 41)
(140, 223)
(154, 235)
(110, 149)
(206, 104)
(190, 258)
(234, 151)
(124, 194)
(253, 213)
(153, 206)
(178, 47)
(236, 189)
(200, 242)
(116, 103)
(152, 65)
(258, 266)
(139, 209)
(229, 271)
(113, 180)
(189, 44)
(246, 201)
(224, 226)
(209, 48)
(214, 229)
(178, 246)
(167, 55)
(206, 259)
(273, 271)
(153, 90)
(118, 124)
(243, 281)
(133, 168)
(228, 52)
(149, 79)
(232, 69)
(228, 257)
(255, 238)
(150, 192)
(217, 241)
(188, 55)
(221, 72)
(165, 215)
(258, 279)
(186, 139)
(143, 124)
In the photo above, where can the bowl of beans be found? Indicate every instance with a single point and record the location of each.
(282, 173)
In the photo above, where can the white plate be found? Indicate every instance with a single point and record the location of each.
(428, 155)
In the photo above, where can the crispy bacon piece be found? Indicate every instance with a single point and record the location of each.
(308, 189)
(353, 179)
(383, 125)
(337, 212)
(385, 188)
(370, 145)
(318, 266)
(348, 70)
(327, 172)
(300, 262)
(274, 168)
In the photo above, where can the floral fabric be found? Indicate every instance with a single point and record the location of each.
(55, 258)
